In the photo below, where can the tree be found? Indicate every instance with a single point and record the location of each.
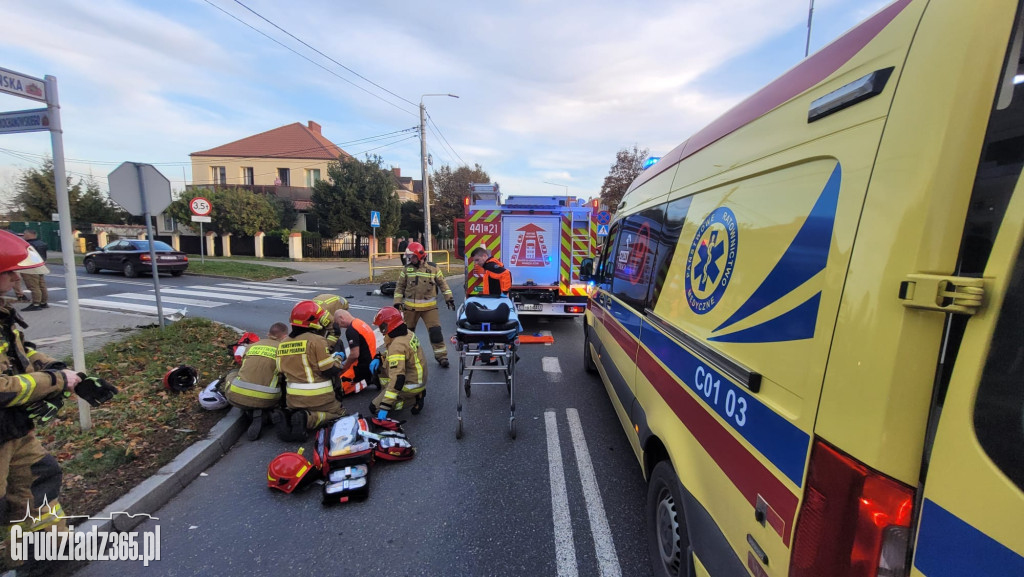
(344, 201)
(95, 207)
(35, 196)
(629, 163)
(412, 218)
(448, 188)
(286, 213)
(235, 211)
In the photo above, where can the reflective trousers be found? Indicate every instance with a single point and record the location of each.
(433, 322)
(30, 478)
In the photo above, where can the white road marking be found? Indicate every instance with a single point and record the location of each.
(281, 287)
(607, 559)
(565, 548)
(248, 291)
(166, 299)
(228, 297)
(136, 308)
(552, 368)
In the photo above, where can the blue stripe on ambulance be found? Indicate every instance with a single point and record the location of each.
(948, 546)
(779, 440)
(805, 257)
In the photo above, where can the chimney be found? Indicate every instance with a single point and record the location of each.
(314, 127)
(397, 172)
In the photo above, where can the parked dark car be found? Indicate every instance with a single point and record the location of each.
(132, 257)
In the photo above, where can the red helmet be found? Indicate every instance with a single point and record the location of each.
(238, 349)
(16, 254)
(310, 315)
(181, 378)
(416, 249)
(388, 319)
(289, 471)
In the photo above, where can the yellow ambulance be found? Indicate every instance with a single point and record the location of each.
(810, 315)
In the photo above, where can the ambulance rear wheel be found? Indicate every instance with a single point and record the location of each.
(667, 540)
(588, 357)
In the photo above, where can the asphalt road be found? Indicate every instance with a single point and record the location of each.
(482, 505)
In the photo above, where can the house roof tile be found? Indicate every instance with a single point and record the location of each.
(290, 141)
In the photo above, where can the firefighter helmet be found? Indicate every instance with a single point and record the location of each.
(310, 315)
(416, 249)
(181, 378)
(289, 471)
(17, 254)
(211, 399)
(388, 319)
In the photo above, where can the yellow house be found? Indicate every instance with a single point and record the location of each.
(291, 156)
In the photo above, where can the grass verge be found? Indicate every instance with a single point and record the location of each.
(244, 270)
(144, 427)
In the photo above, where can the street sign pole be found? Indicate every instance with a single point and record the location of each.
(202, 244)
(152, 245)
(66, 242)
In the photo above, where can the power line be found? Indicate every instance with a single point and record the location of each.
(438, 128)
(321, 53)
(297, 53)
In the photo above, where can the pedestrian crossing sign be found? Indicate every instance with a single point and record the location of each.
(374, 218)
(602, 230)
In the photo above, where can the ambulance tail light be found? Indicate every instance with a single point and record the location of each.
(575, 309)
(854, 522)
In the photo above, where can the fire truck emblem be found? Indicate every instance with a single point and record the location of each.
(530, 248)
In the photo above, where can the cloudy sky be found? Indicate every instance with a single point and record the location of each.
(548, 90)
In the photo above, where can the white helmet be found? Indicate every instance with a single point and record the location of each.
(211, 399)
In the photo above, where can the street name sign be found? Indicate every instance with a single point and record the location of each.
(20, 85)
(24, 121)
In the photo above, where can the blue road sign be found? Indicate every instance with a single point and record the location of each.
(602, 230)
(604, 217)
(374, 218)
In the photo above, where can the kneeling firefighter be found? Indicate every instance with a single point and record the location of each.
(309, 369)
(332, 304)
(406, 379)
(33, 386)
(255, 387)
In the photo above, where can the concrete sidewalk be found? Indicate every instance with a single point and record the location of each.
(50, 328)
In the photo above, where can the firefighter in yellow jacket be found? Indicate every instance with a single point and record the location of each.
(406, 380)
(416, 295)
(332, 304)
(255, 386)
(29, 476)
(309, 370)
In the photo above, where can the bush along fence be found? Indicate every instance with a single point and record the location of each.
(294, 246)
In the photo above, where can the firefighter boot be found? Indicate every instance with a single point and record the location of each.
(443, 361)
(282, 423)
(417, 406)
(256, 424)
(298, 429)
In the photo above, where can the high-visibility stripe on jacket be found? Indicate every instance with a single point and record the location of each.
(418, 286)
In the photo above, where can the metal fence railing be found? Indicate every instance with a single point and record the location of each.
(391, 257)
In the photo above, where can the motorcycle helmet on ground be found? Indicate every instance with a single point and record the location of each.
(308, 314)
(289, 471)
(211, 399)
(181, 378)
(388, 319)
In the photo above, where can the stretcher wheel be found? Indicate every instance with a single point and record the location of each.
(458, 429)
(467, 390)
(511, 427)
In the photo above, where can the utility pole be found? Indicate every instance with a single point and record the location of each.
(810, 17)
(427, 245)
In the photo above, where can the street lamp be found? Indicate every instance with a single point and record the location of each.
(424, 174)
(565, 186)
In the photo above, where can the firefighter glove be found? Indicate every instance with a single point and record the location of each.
(45, 409)
(399, 306)
(94, 390)
(451, 304)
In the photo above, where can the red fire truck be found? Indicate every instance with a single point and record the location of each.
(541, 239)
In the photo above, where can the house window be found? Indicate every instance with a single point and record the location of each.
(283, 177)
(220, 175)
(312, 175)
(168, 223)
(247, 176)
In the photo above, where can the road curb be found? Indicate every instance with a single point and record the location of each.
(135, 507)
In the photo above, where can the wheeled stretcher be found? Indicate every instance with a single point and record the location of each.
(487, 338)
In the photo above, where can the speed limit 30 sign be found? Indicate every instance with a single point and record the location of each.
(200, 206)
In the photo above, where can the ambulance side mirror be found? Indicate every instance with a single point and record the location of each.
(587, 270)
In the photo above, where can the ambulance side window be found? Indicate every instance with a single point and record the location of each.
(675, 214)
(999, 410)
(607, 264)
(635, 256)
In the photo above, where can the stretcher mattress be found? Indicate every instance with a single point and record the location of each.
(488, 319)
